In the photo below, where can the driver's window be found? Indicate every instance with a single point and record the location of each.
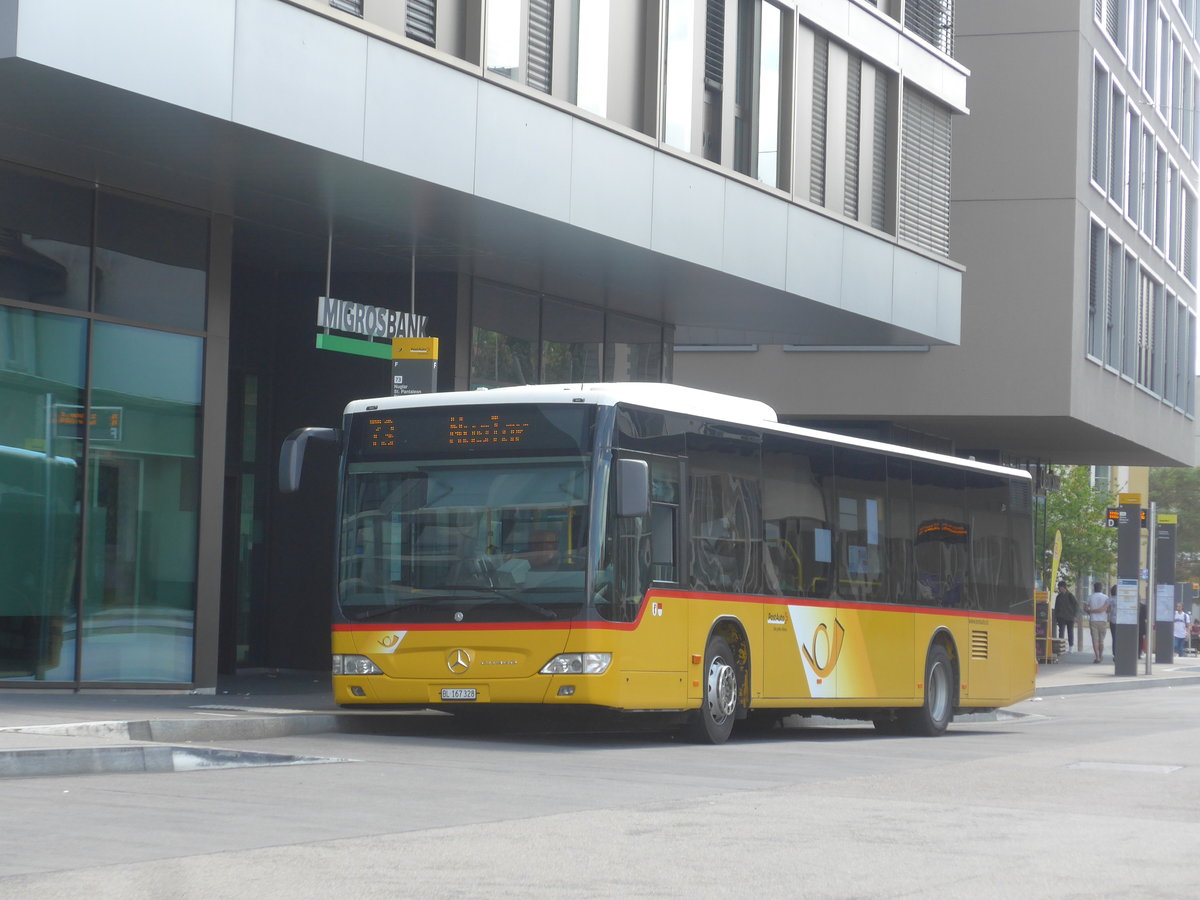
(639, 549)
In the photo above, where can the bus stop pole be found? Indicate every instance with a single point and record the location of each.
(1152, 531)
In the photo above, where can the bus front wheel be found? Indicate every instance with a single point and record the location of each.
(713, 722)
(932, 717)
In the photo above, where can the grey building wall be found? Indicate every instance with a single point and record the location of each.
(1022, 380)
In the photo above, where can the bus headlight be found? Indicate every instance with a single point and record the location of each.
(578, 664)
(353, 664)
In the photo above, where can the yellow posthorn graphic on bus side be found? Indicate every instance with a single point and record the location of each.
(833, 647)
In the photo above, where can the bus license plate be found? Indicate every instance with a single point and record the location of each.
(458, 693)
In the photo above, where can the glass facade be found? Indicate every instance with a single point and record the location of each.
(99, 433)
(519, 337)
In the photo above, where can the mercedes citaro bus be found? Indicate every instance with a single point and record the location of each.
(649, 547)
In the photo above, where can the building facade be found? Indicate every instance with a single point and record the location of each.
(189, 189)
(1074, 212)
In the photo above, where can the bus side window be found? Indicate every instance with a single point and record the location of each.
(861, 480)
(724, 513)
(664, 516)
(797, 479)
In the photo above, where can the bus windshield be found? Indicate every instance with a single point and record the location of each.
(470, 540)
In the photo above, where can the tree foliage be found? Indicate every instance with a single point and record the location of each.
(1177, 490)
(1077, 510)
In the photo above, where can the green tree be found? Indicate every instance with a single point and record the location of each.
(1077, 510)
(1177, 490)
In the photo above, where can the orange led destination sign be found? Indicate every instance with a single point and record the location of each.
(488, 429)
(103, 423)
(1115, 515)
(381, 432)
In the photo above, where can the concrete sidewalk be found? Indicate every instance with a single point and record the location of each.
(1074, 672)
(62, 729)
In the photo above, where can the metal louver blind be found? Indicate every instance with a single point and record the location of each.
(1112, 303)
(1096, 285)
(1111, 22)
(816, 184)
(1189, 237)
(354, 7)
(420, 21)
(879, 152)
(853, 130)
(714, 44)
(1099, 124)
(541, 37)
(924, 212)
(933, 20)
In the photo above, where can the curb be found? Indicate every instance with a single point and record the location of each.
(173, 730)
(138, 760)
(1098, 687)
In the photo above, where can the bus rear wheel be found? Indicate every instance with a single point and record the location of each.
(934, 715)
(713, 722)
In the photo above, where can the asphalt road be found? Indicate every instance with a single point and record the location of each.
(1084, 795)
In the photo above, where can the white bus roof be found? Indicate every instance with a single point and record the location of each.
(669, 397)
(660, 396)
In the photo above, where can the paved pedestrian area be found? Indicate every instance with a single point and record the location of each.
(48, 729)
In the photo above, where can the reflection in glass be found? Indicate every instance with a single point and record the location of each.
(45, 237)
(151, 263)
(140, 591)
(497, 542)
(504, 337)
(591, 71)
(571, 343)
(768, 97)
(677, 103)
(633, 350)
(504, 38)
(41, 422)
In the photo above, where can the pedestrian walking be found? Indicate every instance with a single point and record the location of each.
(1112, 619)
(1066, 611)
(1097, 610)
(1182, 625)
(1143, 618)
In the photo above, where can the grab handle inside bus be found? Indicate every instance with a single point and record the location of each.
(291, 454)
(633, 487)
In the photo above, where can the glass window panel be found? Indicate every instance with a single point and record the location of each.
(504, 37)
(900, 532)
(41, 422)
(591, 72)
(861, 480)
(572, 340)
(798, 517)
(140, 594)
(151, 263)
(941, 546)
(633, 351)
(504, 337)
(677, 105)
(768, 97)
(724, 512)
(45, 237)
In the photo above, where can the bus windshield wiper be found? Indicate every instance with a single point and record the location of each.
(488, 590)
(395, 607)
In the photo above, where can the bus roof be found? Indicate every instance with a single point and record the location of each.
(669, 398)
(655, 395)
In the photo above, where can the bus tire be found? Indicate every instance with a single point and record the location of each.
(934, 715)
(713, 722)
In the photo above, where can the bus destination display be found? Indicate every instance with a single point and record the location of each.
(503, 430)
(486, 429)
(381, 432)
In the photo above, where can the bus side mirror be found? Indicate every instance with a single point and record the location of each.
(633, 487)
(291, 454)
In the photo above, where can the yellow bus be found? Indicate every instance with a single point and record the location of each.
(650, 547)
